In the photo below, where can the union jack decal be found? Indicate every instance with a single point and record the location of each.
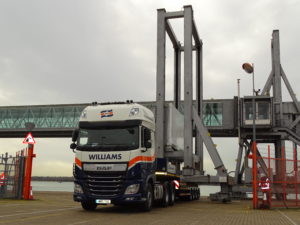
(106, 113)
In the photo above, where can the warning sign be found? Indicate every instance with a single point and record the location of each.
(29, 139)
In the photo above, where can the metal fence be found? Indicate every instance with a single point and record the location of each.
(12, 173)
(278, 180)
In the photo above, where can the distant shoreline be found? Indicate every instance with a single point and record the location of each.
(48, 178)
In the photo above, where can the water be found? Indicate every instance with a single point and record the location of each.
(69, 187)
(52, 186)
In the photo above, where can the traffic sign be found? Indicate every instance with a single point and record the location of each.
(29, 139)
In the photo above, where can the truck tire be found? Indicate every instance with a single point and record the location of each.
(89, 205)
(166, 195)
(147, 205)
(192, 194)
(172, 195)
(195, 194)
(198, 194)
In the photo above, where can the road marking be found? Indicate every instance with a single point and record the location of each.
(10, 205)
(81, 222)
(36, 212)
(28, 218)
(288, 218)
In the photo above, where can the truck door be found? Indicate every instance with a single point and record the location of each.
(147, 148)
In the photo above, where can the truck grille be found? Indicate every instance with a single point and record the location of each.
(104, 185)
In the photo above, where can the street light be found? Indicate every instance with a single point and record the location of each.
(249, 68)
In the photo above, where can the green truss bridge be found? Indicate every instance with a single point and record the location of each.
(60, 120)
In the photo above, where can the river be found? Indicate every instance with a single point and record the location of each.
(69, 187)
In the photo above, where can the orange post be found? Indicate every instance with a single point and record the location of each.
(254, 176)
(296, 174)
(269, 175)
(283, 171)
(27, 192)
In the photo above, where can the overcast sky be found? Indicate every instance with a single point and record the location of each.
(68, 51)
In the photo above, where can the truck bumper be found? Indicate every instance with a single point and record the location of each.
(124, 199)
(121, 198)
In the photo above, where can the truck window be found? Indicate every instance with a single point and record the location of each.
(142, 136)
(83, 137)
(107, 138)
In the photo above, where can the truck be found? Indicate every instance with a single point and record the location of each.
(116, 162)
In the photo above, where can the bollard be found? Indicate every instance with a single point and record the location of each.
(27, 193)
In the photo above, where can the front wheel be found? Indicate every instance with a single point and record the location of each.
(147, 205)
(89, 205)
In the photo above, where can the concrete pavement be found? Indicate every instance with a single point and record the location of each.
(58, 208)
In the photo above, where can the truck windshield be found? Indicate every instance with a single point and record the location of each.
(126, 138)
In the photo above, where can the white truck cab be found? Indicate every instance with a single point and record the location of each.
(115, 157)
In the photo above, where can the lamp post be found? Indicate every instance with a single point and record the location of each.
(249, 68)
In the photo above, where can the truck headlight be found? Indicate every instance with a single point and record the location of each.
(78, 189)
(132, 189)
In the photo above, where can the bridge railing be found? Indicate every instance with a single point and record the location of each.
(59, 116)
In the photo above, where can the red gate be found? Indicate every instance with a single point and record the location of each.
(276, 181)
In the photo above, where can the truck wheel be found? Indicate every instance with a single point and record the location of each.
(192, 197)
(147, 205)
(89, 205)
(198, 194)
(172, 195)
(166, 195)
(195, 194)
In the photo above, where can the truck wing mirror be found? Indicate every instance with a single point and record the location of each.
(75, 135)
(148, 144)
(73, 146)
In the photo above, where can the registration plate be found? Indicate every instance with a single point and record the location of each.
(103, 201)
(105, 167)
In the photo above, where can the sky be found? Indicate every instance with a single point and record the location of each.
(75, 51)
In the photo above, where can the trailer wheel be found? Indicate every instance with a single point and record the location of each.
(198, 194)
(191, 196)
(147, 205)
(195, 193)
(172, 195)
(89, 205)
(166, 195)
